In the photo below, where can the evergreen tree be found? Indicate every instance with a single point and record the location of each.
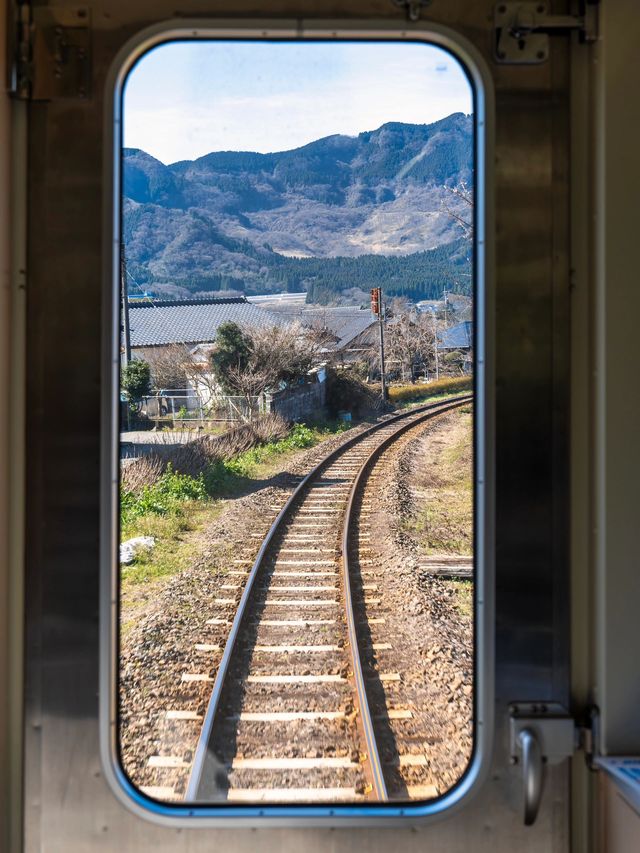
(135, 380)
(233, 350)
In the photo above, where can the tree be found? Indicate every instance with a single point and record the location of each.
(169, 366)
(287, 353)
(231, 354)
(262, 359)
(135, 380)
(409, 339)
(463, 215)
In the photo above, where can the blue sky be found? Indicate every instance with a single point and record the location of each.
(186, 99)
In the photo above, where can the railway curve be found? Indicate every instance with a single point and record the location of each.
(323, 746)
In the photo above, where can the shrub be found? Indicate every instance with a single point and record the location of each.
(194, 457)
(162, 497)
(141, 472)
(299, 437)
(347, 392)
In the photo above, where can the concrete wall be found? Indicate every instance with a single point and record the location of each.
(294, 404)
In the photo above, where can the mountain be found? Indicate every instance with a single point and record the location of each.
(297, 219)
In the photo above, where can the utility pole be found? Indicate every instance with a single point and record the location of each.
(378, 308)
(435, 344)
(125, 306)
(126, 332)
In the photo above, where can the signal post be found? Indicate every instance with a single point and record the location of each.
(378, 310)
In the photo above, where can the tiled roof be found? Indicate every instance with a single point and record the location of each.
(457, 337)
(344, 322)
(193, 321)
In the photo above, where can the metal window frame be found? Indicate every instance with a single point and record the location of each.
(387, 814)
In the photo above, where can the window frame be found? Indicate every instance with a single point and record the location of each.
(194, 815)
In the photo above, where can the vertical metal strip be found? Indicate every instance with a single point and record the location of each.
(17, 450)
(13, 242)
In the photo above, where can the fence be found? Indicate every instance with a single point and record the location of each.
(184, 405)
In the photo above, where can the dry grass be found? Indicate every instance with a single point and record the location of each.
(141, 472)
(444, 525)
(195, 456)
(420, 391)
(464, 596)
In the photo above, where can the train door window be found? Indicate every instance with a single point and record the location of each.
(298, 351)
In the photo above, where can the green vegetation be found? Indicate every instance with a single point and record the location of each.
(421, 275)
(228, 476)
(232, 353)
(165, 497)
(415, 392)
(135, 380)
(178, 506)
(177, 542)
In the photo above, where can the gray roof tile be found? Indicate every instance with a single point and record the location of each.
(193, 321)
(459, 336)
(344, 322)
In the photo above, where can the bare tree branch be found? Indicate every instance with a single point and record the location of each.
(464, 195)
(409, 338)
(279, 356)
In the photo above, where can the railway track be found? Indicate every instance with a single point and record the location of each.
(290, 717)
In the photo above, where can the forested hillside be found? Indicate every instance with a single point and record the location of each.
(339, 213)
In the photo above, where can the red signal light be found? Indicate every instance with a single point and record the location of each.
(375, 300)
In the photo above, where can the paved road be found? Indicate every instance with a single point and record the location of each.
(135, 443)
(147, 436)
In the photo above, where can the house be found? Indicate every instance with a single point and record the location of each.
(181, 333)
(192, 321)
(349, 332)
(157, 326)
(458, 339)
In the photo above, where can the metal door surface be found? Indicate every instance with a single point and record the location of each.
(68, 804)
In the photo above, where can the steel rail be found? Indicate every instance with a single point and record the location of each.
(376, 772)
(202, 749)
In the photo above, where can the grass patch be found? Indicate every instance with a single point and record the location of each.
(464, 597)
(414, 392)
(165, 497)
(443, 526)
(444, 523)
(178, 506)
(228, 477)
(175, 548)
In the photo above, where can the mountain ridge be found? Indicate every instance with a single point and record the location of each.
(229, 218)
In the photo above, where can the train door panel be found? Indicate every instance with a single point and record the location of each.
(68, 803)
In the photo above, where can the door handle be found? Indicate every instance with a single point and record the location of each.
(532, 773)
(541, 733)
